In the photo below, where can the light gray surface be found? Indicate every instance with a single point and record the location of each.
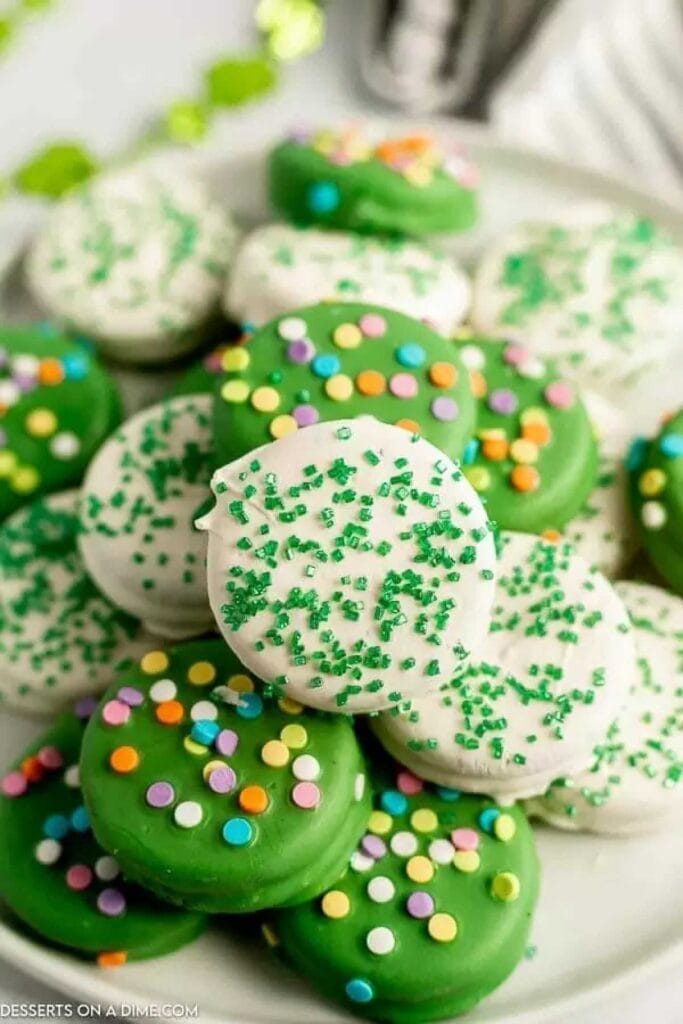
(85, 69)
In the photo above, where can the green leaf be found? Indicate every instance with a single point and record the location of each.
(55, 169)
(293, 28)
(6, 33)
(236, 80)
(186, 121)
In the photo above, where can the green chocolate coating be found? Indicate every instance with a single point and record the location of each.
(293, 853)
(367, 194)
(38, 894)
(656, 491)
(53, 415)
(565, 465)
(239, 427)
(421, 978)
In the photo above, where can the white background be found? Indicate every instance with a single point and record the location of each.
(100, 70)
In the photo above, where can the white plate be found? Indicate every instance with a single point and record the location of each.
(611, 911)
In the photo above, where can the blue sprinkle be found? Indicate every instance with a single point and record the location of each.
(359, 990)
(471, 452)
(411, 354)
(393, 802)
(46, 329)
(56, 826)
(449, 795)
(237, 832)
(671, 445)
(80, 820)
(323, 197)
(487, 818)
(248, 327)
(205, 731)
(250, 705)
(325, 366)
(75, 366)
(636, 454)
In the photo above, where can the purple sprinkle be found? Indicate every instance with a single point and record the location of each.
(503, 401)
(444, 409)
(85, 707)
(373, 846)
(301, 351)
(160, 794)
(305, 415)
(130, 696)
(111, 902)
(226, 742)
(25, 384)
(222, 780)
(420, 904)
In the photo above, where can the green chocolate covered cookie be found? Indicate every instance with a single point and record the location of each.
(534, 457)
(57, 880)
(57, 405)
(338, 361)
(340, 180)
(234, 802)
(656, 471)
(433, 914)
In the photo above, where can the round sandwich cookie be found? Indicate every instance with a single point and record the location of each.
(139, 499)
(433, 913)
(635, 782)
(338, 361)
(340, 179)
(279, 267)
(234, 802)
(57, 405)
(600, 290)
(656, 489)
(57, 880)
(554, 672)
(351, 566)
(134, 260)
(533, 458)
(60, 638)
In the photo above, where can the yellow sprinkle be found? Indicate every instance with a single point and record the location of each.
(504, 827)
(24, 480)
(466, 861)
(235, 360)
(153, 662)
(275, 754)
(235, 391)
(478, 476)
(420, 869)
(442, 927)
(270, 935)
(424, 820)
(282, 425)
(533, 415)
(198, 749)
(211, 766)
(335, 904)
(8, 462)
(652, 482)
(339, 387)
(294, 736)
(290, 706)
(418, 176)
(347, 336)
(492, 434)
(265, 399)
(201, 673)
(523, 451)
(241, 684)
(505, 887)
(41, 423)
(380, 823)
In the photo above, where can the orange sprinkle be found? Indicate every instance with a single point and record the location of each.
(552, 535)
(478, 384)
(253, 799)
(525, 478)
(410, 425)
(539, 433)
(169, 712)
(494, 448)
(113, 959)
(371, 382)
(124, 760)
(51, 372)
(443, 375)
(32, 769)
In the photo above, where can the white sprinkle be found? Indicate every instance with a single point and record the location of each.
(306, 767)
(360, 862)
(188, 814)
(203, 711)
(381, 889)
(653, 515)
(48, 851)
(107, 868)
(65, 445)
(9, 393)
(72, 777)
(380, 940)
(533, 369)
(403, 844)
(25, 366)
(472, 356)
(162, 690)
(292, 328)
(359, 786)
(441, 851)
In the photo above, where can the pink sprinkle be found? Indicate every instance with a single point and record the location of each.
(372, 325)
(78, 877)
(464, 839)
(515, 355)
(306, 795)
(409, 784)
(559, 394)
(403, 385)
(50, 758)
(213, 362)
(14, 784)
(115, 712)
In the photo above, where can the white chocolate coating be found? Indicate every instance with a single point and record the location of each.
(603, 532)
